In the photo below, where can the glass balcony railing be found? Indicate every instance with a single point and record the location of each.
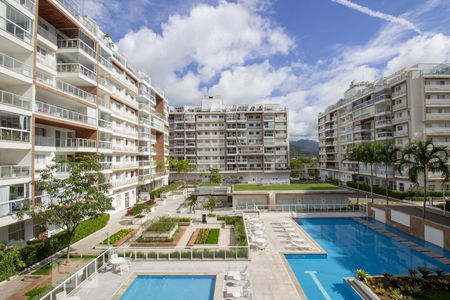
(66, 87)
(76, 143)
(14, 135)
(77, 44)
(76, 68)
(71, 7)
(16, 30)
(104, 145)
(28, 4)
(59, 112)
(11, 99)
(12, 172)
(47, 34)
(105, 124)
(15, 65)
(8, 208)
(106, 63)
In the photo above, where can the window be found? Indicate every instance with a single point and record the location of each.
(16, 231)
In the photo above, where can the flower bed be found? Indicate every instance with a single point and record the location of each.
(208, 236)
(420, 284)
(239, 229)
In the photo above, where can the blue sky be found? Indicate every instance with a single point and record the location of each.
(300, 53)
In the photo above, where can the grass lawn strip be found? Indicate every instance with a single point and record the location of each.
(291, 187)
(208, 236)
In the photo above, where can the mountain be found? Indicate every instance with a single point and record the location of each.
(304, 147)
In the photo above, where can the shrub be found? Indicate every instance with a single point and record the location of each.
(36, 251)
(10, 262)
(117, 236)
(37, 293)
(163, 224)
(424, 272)
(239, 229)
(361, 274)
(172, 186)
(140, 208)
(184, 220)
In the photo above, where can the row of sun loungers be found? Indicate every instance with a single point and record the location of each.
(237, 285)
(293, 238)
(255, 232)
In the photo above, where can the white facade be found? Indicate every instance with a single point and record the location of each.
(66, 91)
(412, 104)
(249, 143)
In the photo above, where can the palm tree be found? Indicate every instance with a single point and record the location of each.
(423, 157)
(183, 166)
(354, 154)
(192, 202)
(370, 157)
(388, 156)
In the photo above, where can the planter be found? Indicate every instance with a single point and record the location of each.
(139, 221)
(125, 238)
(160, 235)
(185, 223)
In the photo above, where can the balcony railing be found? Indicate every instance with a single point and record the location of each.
(124, 165)
(15, 65)
(105, 124)
(104, 145)
(8, 208)
(12, 172)
(71, 7)
(105, 83)
(76, 143)
(77, 44)
(28, 4)
(437, 87)
(14, 135)
(121, 182)
(66, 87)
(125, 131)
(126, 148)
(59, 112)
(438, 116)
(11, 99)
(47, 34)
(16, 30)
(76, 68)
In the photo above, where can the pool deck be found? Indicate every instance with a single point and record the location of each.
(269, 274)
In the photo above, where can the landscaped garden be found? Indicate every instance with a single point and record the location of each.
(420, 284)
(282, 187)
(208, 236)
(118, 236)
(164, 231)
(239, 228)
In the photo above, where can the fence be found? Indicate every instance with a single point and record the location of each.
(302, 207)
(76, 279)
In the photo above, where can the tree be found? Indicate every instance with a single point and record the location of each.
(370, 156)
(183, 166)
(355, 154)
(161, 166)
(211, 204)
(73, 199)
(192, 202)
(214, 176)
(422, 157)
(10, 262)
(388, 156)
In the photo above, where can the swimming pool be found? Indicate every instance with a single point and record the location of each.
(350, 245)
(171, 287)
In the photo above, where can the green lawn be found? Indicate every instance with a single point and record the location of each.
(208, 236)
(292, 187)
(210, 184)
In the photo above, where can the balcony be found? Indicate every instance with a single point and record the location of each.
(49, 36)
(384, 135)
(124, 182)
(12, 207)
(15, 65)
(400, 133)
(438, 116)
(124, 148)
(83, 74)
(399, 106)
(14, 135)
(66, 87)
(10, 99)
(383, 123)
(105, 124)
(103, 145)
(437, 102)
(398, 94)
(437, 130)
(437, 88)
(78, 144)
(125, 165)
(125, 131)
(62, 113)
(14, 172)
(16, 30)
(77, 44)
(362, 128)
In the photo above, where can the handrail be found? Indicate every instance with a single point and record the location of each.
(11, 99)
(16, 30)
(11, 172)
(66, 87)
(319, 207)
(15, 65)
(28, 4)
(47, 34)
(56, 111)
(77, 44)
(76, 68)
(14, 206)
(14, 135)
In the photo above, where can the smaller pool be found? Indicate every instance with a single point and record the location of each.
(171, 287)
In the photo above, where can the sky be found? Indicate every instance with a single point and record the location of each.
(302, 54)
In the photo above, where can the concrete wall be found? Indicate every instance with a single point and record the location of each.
(422, 228)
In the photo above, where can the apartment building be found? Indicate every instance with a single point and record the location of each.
(247, 143)
(66, 91)
(412, 104)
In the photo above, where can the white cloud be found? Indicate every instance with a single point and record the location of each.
(379, 15)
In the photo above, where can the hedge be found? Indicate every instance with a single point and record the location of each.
(172, 186)
(117, 236)
(36, 251)
(139, 208)
(392, 193)
(239, 229)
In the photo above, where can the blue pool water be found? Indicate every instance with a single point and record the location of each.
(350, 245)
(170, 287)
